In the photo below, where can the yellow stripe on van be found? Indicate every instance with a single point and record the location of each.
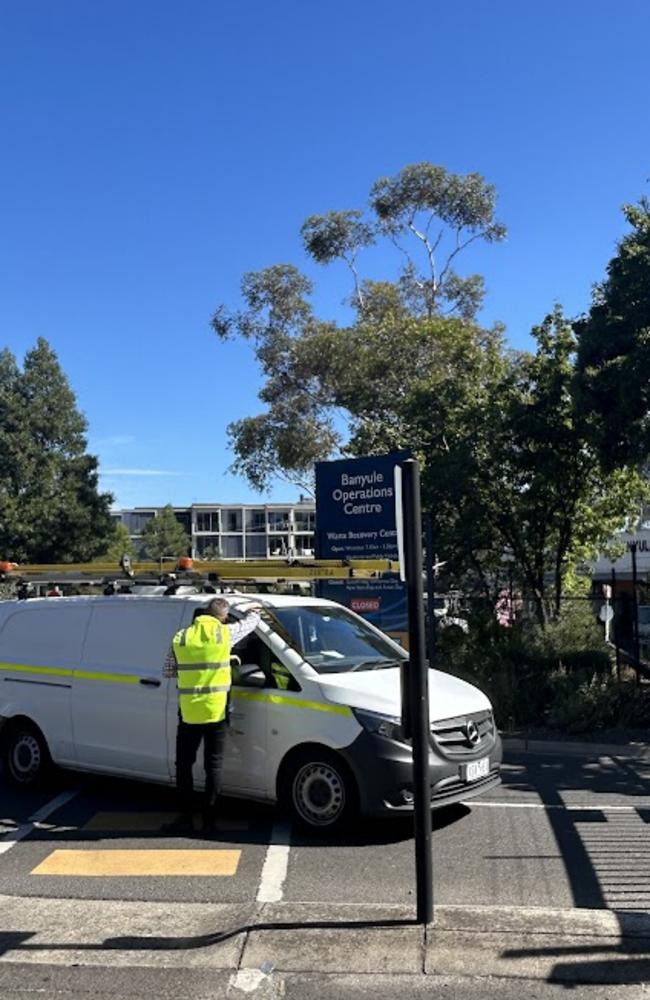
(88, 675)
(21, 668)
(283, 699)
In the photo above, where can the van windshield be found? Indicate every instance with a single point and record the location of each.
(333, 641)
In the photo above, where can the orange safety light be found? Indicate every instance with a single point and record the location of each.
(6, 567)
(185, 563)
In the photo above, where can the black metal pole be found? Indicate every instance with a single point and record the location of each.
(615, 628)
(635, 609)
(431, 589)
(418, 684)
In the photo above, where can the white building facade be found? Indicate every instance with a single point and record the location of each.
(235, 531)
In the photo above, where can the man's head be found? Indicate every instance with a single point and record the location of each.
(217, 607)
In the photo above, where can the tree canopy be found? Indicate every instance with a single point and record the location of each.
(614, 348)
(164, 536)
(51, 509)
(509, 463)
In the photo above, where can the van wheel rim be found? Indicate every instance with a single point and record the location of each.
(319, 794)
(25, 757)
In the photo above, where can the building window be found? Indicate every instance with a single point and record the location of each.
(207, 520)
(208, 547)
(232, 519)
(304, 545)
(279, 520)
(136, 522)
(256, 546)
(255, 520)
(304, 520)
(184, 518)
(232, 547)
(279, 545)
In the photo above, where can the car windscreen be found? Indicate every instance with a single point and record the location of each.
(332, 640)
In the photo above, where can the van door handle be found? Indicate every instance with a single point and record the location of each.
(150, 682)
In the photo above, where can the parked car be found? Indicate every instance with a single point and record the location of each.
(81, 685)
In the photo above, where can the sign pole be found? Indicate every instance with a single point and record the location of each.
(635, 610)
(418, 688)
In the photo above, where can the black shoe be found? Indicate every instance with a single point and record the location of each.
(209, 825)
(182, 826)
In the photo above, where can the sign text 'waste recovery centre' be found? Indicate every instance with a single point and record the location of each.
(355, 508)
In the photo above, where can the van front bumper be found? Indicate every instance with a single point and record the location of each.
(383, 770)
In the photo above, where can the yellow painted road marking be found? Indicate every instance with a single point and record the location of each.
(139, 863)
(145, 822)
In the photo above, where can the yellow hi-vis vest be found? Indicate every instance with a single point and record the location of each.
(202, 652)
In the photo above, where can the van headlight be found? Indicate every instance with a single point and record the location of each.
(388, 726)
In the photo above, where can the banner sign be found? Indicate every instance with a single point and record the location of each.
(355, 507)
(380, 601)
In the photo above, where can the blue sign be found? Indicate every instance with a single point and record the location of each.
(355, 508)
(380, 601)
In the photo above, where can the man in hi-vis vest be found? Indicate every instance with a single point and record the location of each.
(200, 661)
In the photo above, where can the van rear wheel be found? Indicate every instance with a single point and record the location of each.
(319, 790)
(25, 757)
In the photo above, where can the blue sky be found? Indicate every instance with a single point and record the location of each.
(153, 151)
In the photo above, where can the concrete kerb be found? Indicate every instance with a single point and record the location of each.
(632, 751)
(598, 946)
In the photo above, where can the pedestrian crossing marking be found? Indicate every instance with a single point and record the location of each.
(142, 864)
(146, 822)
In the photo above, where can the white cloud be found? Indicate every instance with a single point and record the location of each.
(138, 472)
(115, 441)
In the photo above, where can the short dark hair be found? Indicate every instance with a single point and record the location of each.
(214, 607)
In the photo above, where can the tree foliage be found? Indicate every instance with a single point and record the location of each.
(614, 348)
(509, 466)
(164, 536)
(50, 507)
(120, 544)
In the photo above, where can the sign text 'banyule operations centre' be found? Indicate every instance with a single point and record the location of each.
(355, 508)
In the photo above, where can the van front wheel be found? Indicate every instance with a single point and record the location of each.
(319, 790)
(25, 756)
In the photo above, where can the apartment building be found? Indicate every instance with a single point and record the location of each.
(235, 531)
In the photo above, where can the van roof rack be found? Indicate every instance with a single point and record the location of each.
(205, 576)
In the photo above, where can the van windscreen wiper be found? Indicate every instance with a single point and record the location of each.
(379, 664)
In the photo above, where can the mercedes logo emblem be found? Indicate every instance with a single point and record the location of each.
(473, 735)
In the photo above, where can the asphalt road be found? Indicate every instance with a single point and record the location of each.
(558, 833)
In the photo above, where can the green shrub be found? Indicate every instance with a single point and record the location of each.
(560, 676)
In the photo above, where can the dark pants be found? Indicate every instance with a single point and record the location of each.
(188, 741)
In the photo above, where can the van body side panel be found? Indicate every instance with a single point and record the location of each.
(120, 699)
(40, 648)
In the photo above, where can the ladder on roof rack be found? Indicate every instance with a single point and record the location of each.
(187, 571)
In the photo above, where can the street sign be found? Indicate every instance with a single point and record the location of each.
(606, 613)
(355, 508)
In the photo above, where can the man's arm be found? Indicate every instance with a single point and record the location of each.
(239, 630)
(170, 667)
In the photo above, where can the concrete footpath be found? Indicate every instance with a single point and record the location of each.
(632, 750)
(252, 943)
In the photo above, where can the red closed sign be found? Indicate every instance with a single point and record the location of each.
(361, 604)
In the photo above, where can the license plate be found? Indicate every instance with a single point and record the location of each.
(477, 769)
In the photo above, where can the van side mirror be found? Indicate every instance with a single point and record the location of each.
(249, 675)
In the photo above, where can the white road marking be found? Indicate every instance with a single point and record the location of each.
(247, 980)
(22, 831)
(276, 864)
(472, 804)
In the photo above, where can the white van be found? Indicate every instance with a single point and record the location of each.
(81, 684)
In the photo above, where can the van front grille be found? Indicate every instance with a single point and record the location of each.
(465, 736)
